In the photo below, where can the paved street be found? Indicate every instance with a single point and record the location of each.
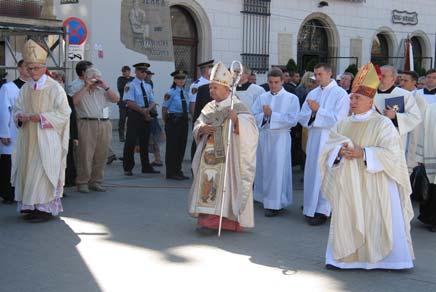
(138, 237)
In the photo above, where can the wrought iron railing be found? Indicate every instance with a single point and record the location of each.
(256, 32)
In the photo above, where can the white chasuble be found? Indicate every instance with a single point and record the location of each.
(248, 93)
(273, 181)
(209, 164)
(334, 106)
(406, 121)
(370, 199)
(39, 159)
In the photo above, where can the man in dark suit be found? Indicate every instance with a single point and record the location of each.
(121, 83)
(203, 98)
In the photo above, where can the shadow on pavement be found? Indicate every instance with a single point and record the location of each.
(40, 257)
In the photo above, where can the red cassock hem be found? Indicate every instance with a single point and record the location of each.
(213, 221)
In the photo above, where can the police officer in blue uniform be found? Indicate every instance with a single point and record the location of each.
(175, 115)
(139, 99)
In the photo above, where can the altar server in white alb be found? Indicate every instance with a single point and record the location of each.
(397, 104)
(364, 176)
(326, 105)
(429, 91)
(8, 131)
(408, 82)
(42, 114)
(246, 91)
(275, 111)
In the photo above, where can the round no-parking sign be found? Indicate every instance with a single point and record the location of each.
(78, 32)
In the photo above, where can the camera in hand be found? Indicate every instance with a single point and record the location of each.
(96, 81)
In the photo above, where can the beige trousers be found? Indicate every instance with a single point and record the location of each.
(94, 139)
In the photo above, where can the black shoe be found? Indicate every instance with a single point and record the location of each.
(331, 267)
(182, 175)
(206, 231)
(156, 164)
(150, 170)
(111, 159)
(271, 212)
(128, 173)
(318, 219)
(175, 177)
(29, 216)
(39, 216)
(8, 201)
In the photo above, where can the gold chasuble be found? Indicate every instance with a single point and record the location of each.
(39, 159)
(209, 164)
(361, 227)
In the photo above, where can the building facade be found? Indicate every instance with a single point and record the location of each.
(261, 33)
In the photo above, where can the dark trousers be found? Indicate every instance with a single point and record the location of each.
(298, 155)
(176, 130)
(427, 209)
(194, 145)
(6, 189)
(122, 120)
(193, 149)
(70, 170)
(138, 130)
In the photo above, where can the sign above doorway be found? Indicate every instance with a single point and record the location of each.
(404, 17)
(69, 1)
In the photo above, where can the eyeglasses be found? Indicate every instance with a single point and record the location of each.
(30, 69)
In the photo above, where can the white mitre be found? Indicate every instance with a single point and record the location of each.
(221, 75)
(34, 53)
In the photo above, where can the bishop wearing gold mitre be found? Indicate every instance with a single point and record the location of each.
(210, 166)
(364, 176)
(42, 115)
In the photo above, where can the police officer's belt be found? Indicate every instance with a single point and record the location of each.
(95, 119)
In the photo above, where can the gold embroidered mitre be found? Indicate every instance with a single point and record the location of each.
(221, 75)
(34, 53)
(366, 81)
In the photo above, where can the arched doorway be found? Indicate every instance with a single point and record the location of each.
(185, 40)
(380, 50)
(318, 41)
(312, 45)
(417, 48)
